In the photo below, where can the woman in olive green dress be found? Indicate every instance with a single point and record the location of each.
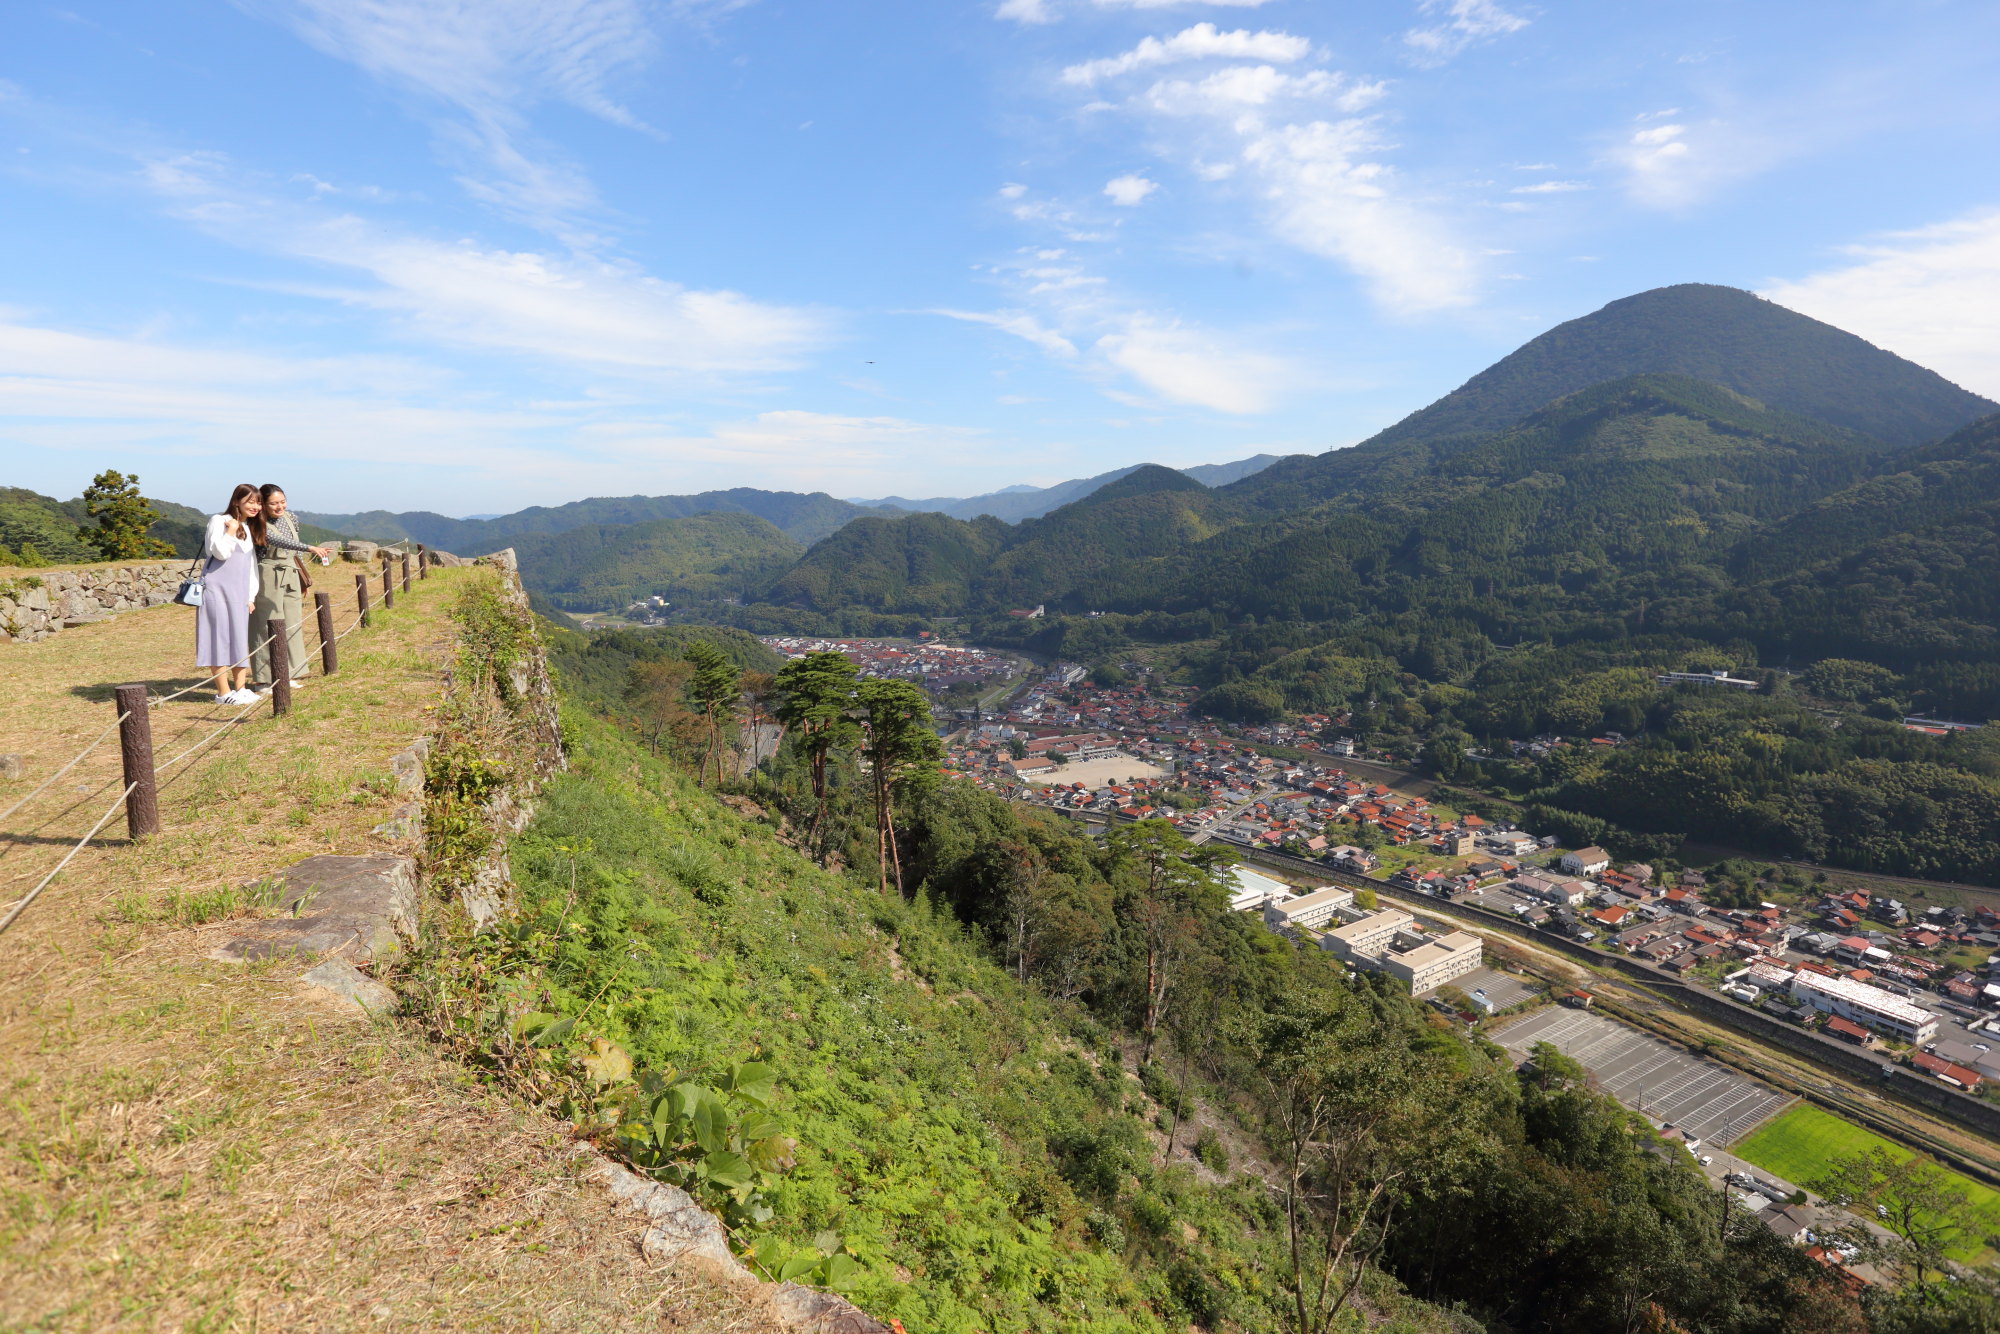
(281, 585)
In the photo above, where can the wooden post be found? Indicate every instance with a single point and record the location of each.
(329, 647)
(406, 571)
(388, 589)
(423, 562)
(361, 595)
(281, 669)
(135, 744)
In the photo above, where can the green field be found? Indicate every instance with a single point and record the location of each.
(1800, 1145)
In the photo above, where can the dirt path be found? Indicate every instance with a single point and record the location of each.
(195, 1145)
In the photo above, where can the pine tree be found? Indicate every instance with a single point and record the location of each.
(124, 519)
(714, 689)
(815, 703)
(901, 745)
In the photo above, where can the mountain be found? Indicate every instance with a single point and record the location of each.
(914, 563)
(934, 564)
(1016, 503)
(605, 567)
(1718, 335)
(805, 518)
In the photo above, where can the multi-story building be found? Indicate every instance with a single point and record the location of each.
(1307, 910)
(1428, 962)
(1883, 1011)
(1361, 940)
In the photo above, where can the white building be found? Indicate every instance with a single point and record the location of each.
(1253, 890)
(1361, 940)
(1307, 910)
(1871, 1007)
(1586, 861)
(1428, 962)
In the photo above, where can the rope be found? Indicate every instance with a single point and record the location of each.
(103, 820)
(158, 769)
(46, 782)
(240, 662)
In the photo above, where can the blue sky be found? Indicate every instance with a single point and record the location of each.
(469, 255)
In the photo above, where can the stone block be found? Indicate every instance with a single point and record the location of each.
(343, 979)
(362, 907)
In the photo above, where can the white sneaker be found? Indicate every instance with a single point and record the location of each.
(241, 697)
(298, 685)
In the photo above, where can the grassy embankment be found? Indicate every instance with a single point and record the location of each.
(1802, 1144)
(191, 1145)
(980, 1152)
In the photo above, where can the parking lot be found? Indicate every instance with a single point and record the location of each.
(1702, 1098)
(1502, 989)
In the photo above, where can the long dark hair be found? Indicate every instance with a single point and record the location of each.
(254, 522)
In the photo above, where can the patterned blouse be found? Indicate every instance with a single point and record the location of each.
(280, 534)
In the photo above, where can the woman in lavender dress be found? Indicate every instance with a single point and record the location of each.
(229, 586)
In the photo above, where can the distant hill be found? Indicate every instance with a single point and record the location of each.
(50, 526)
(1719, 335)
(1015, 503)
(914, 563)
(606, 567)
(804, 517)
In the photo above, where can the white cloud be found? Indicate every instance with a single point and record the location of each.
(1013, 190)
(1184, 365)
(1239, 88)
(558, 308)
(1025, 11)
(1549, 188)
(1130, 190)
(1019, 324)
(1203, 41)
(1466, 23)
(1181, 4)
(1329, 197)
(1931, 294)
(489, 62)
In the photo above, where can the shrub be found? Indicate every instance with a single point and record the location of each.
(1208, 1150)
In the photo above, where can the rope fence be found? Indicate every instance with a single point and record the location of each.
(143, 775)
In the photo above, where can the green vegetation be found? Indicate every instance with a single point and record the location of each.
(602, 567)
(110, 521)
(1805, 1144)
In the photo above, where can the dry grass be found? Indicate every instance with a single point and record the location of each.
(199, 1146)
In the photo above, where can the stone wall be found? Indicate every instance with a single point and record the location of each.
(35, 604)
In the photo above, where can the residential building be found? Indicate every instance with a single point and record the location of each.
(1871, 1007)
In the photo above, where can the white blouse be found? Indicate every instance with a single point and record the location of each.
(219, 545)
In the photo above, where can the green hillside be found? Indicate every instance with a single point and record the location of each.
(805, 518)
(606, 567)
(921, 563)
(960, 1072)
(1719, 335)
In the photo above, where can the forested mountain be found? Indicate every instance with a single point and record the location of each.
(936, 565)
(805, 518)
(50, 531)
(1719, 335)
(604, 567)
(1017, 503)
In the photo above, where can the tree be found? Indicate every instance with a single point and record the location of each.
(123, 519)
(759, 691)
(1366, 900)
(713, 687)
(1361, 1119)
(653, 692)
(1174, 886)
(815, 703)
(900, 746)
(1915, 1200)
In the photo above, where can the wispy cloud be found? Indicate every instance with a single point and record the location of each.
(1046, 11)
(1931, 294)
(1549, 188)
(1021, 325)
(481, 66)
(1203, 41)
(557, 308)
(1463, 24)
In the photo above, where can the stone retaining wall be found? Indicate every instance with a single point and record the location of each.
(35, 604)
